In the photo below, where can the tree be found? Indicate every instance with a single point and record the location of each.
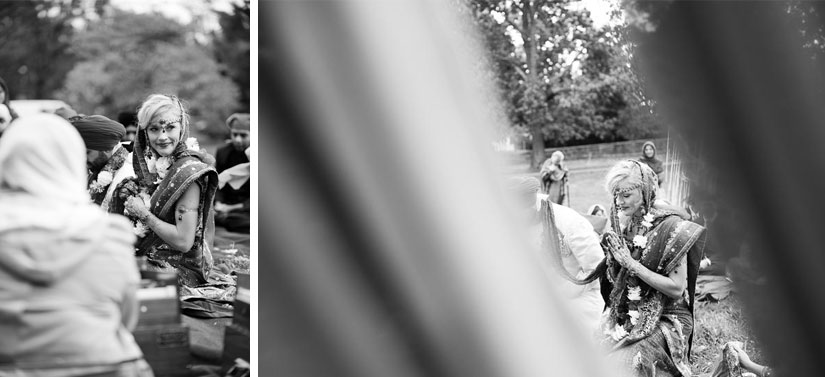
(562, 78)
(232, 48)
(154, 55)
(35, 38)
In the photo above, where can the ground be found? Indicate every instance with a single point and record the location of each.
(716, 322)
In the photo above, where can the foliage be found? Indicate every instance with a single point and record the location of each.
(232, 49)
(154, 55)
(562, 78)
(35, 37)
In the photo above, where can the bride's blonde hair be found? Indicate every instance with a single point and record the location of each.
(157, 105)
(636, 175)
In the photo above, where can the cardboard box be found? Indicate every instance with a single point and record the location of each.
(240, 316)
(158, 299)
(235, 345)
(166, 349)
(158, 306)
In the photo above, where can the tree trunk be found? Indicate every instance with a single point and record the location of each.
(537, 155)
(531, 51)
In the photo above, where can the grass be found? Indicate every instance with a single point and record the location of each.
(716, 323)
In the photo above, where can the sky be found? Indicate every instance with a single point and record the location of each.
(180, 10)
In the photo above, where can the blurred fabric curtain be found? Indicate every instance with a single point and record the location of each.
(386, 246)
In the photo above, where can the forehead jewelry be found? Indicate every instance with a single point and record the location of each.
(618, 191)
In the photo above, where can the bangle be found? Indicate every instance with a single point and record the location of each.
(766, 372)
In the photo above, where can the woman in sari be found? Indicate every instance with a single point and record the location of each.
(652, 257)
(68, 277)
(171, 197)
(553, 175)
(652, 260)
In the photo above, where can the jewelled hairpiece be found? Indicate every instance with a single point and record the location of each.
(626, 189)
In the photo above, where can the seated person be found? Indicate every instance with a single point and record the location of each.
(170, 199)
(232, 204)
(129, 120)
(104, 154)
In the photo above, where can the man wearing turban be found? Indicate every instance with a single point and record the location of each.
(232, 206)
(105, 156)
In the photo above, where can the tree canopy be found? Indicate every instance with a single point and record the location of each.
(563, 79)
(104, 60)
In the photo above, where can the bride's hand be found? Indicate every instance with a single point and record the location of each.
(618, 249)
(137, 207)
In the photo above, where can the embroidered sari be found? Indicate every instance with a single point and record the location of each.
(189, 167)
(655, 338)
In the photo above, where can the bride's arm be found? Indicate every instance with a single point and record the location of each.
(181, 234)
(671, 285)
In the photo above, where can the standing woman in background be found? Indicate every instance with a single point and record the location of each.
(68, 276)
(554, 178)
(649, 158)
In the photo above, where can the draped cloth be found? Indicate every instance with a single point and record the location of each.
(189, 167)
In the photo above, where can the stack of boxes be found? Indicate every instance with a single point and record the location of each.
(160, 332)
(236, 335)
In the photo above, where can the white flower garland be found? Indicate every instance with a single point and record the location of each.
(104, 179)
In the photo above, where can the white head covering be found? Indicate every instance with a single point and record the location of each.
(43, 176)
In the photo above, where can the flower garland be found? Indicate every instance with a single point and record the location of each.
(627, 320)
(107, 174)
(160, 166)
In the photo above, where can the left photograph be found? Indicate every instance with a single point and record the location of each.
(125, 175)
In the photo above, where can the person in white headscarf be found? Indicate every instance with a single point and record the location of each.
(68, 275)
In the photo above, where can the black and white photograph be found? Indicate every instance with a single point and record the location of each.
(125, 180)
(541, 188)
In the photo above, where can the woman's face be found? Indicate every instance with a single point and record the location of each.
(164, 134)
(628, 202)
(649, 151)
(2, 95)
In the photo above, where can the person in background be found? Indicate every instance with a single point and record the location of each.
(577, 255)
(649, 158)
(171, 196)
(68, 275)
(104, 154)
(129, 120)
(735, 362)
(553, 175)
(5, 118)
(66, 113)
(232, 203)
(5, 98)
(596, 210)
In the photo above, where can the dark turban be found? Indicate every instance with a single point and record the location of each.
(98, 132)
(238, 121)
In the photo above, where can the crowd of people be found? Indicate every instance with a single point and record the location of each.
(631, 280)
(83, 199)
